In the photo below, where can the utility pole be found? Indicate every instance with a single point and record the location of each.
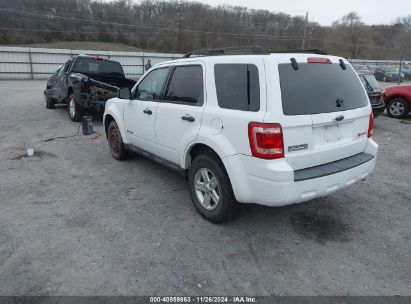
(179, 29)
(400, 71)
(305, 31)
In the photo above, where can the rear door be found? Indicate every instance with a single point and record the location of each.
(179, 113)
(326, 112)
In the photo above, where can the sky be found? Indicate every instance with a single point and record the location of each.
(327, 11)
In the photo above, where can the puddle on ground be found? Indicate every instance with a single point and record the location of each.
(38, 153)
(320, 227)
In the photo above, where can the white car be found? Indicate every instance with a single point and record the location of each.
(271, 129)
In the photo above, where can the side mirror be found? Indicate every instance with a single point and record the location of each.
(124, 93)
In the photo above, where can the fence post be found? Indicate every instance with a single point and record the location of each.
(143, 66)
(31, 65)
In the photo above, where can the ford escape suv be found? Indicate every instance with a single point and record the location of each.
(266, 128)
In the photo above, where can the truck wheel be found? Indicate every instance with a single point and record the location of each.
(398, 108)
(75, 110)
(49, 102)
(115, 142)
(210, 189)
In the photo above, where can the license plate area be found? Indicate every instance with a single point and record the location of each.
(332, 134)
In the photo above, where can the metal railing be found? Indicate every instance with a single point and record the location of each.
(34, 63)
(38, 63)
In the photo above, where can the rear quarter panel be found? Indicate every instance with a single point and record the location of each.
(226, 130)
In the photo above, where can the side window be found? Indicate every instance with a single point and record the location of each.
(238, 86)
(151, 86)
(186, 85)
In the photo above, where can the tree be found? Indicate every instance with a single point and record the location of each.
(351, 31)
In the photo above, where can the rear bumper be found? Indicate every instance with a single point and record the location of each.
(273, 183)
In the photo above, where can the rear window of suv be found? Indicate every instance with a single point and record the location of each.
(238, 86)
(320, 88)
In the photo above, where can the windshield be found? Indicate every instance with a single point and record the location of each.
(371, 81)
(320, 88)
(97, 66)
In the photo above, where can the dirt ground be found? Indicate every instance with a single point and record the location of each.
(74, 221)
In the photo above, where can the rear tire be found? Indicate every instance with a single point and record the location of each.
(398, 108)
(210, 189)
(75, 110)
(115, 142)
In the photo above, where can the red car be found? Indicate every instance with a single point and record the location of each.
(398, 100)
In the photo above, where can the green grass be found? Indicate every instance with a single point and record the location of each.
(80, 45)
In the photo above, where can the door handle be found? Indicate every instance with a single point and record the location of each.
(148, 111)
(188, 118)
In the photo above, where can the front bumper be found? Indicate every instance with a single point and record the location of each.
(272, 183)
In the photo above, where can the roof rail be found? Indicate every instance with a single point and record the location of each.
(236, 50)
(312, 51)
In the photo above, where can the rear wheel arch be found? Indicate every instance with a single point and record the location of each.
(196, 150)
(69, 92)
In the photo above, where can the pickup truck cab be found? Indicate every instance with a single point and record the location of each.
(271, 129)
(85, 82)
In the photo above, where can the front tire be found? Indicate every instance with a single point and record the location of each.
(49, 102)
(74, 109)
(398, 108)
(115, 142)
(210, 189)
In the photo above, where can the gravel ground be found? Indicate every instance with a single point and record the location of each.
(73, 221)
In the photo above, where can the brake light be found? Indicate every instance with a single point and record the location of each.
(266, 140)
(318, 60)
(370, 126)
(99, 58)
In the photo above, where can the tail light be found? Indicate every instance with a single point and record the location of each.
(371, 126)
(266, 140)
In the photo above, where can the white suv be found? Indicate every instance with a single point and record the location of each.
(271, 129)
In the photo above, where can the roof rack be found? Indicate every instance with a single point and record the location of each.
(312, 51)
(237, 50)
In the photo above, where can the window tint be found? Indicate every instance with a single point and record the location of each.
(238, 86)
(186, 85)
(319, 88)
(151, 86)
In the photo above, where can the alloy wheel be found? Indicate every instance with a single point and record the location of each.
(72, 107)
(397, 108)
(207, 189)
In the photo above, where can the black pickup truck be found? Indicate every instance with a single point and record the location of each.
(85, 82)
